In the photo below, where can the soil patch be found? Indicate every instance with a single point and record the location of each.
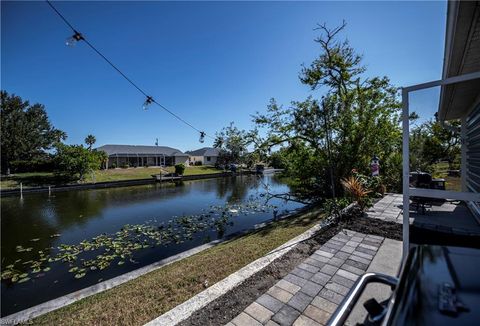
(228, 306)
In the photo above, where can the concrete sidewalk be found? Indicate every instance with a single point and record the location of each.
(311, 293)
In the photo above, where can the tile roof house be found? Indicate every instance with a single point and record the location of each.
(139, 155)
(205, 155)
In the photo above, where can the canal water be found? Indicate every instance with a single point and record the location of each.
(35, 227)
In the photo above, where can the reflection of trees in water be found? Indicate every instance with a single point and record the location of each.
(236, 189)
(145, 193)
(239, 191)
(101, 251)
(204, 185)
(230, 189)
(275, 180)
(79, 207)
(76, 208)
(20, 223)
(40, 216)
(223, 186)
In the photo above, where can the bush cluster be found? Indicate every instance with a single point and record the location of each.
(34, 165)
(179, 168)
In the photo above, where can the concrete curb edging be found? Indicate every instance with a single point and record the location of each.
(54, 304)
(190, 306)
(43, 308)
(112, 184)
(186, 309)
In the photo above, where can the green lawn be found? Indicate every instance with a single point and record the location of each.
(147, 297)
(31, 179)
(451, 183)
(146, 173)
(38, 179)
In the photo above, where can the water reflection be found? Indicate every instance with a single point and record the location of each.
(42, 222)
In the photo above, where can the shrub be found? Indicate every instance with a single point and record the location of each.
(124, 166)
(180, 168)
(330, 205)
(391, 172)
(76, 161)
(278, 160)
(36, 165)
(197, 163)
(114, 165)
(356, 190)
(375, 184)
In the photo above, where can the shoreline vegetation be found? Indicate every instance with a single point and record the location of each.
(147, 297)
(45, 179)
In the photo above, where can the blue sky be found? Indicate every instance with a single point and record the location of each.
(209, 62)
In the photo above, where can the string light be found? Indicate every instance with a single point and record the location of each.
(74, 39)
(149, 100)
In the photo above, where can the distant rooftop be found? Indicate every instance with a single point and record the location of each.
(140, 150)
(205, 151)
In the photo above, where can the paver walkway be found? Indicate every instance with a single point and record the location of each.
(311, 293)
(389, 208)
(441, 216)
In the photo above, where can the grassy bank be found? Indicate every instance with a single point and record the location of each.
(40, 179)
(146, 173)
(149, 296)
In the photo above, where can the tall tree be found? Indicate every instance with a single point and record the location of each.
(354, 118)
(233, 144)
(90, 140)
(26, 131)
(431, 142)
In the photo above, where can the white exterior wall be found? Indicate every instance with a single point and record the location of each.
(181, 159)
(194, 159)
(213, 160)
(203, 159)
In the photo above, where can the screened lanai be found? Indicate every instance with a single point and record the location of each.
(142, 156)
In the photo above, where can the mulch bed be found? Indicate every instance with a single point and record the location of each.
(228, 306)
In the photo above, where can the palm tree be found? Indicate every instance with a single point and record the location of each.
(90, 140)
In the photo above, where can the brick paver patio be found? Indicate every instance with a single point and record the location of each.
(311, 293)
(388, 208)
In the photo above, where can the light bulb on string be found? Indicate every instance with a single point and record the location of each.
(77, 37)
(147, 103)
(74, 39)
